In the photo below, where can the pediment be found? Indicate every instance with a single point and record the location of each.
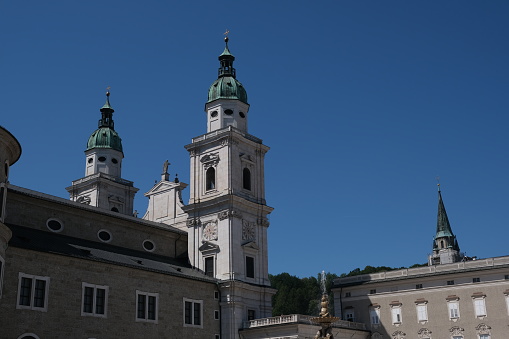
(251, 245)
(208, 247)
(164, 186)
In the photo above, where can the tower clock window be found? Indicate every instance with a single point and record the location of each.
(228, 112)
(102, 159)
(210, 179)
(213, 114)
(246, 179)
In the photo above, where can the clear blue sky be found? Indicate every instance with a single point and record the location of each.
(363, 104)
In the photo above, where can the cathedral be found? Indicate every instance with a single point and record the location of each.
(89, 267)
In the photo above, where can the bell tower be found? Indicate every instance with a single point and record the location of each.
(103, 185)
(445, 245)
(227, 212)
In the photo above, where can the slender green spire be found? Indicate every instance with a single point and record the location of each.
(444, 231)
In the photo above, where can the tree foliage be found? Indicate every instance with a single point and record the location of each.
(302, 295)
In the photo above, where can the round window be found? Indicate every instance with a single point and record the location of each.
(54, 225)
(149, 245)
(102, 159)
(90, 160)
(113, 160)
(104, 235)
(228, 112)
(213, 114)
(242, 115)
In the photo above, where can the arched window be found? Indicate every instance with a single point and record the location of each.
(114, 209)
(210, 179)
(441, 244)
(246, 179)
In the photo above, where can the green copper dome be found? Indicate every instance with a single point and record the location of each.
(227, 86)
(105, 136)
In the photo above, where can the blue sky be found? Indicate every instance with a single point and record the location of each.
(363, 103)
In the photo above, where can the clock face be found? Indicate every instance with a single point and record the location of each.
(210, 232)
(248, 231)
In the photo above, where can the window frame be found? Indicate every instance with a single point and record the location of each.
(210, 179)
(350, 314)
(193, 302)
(479, 302)
(94, 313)
(396, 314)
(421, 309)
(209, 260)
(450, 304)
(146, 318)
(374, 315)
(246, 179)
(34, 279)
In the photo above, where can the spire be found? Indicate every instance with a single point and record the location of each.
(107, 113)
(226, 59)
(443, 225)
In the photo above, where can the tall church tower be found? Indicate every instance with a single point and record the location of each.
(445, 246)
(103, 185)
(227, 214)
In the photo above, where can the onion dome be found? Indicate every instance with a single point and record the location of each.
(105, 136)
(227, 86)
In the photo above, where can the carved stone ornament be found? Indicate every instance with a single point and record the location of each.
(424, 333)
(210, 231)
(398, 335)
(456, 330)
(263, 222)
(84, 200)
(483, 329)
(229, 213)
(210, 159)
(248, 230)
(193, 222)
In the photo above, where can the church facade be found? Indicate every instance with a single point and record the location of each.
(88, 268)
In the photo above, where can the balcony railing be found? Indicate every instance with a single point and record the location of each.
(300, 319)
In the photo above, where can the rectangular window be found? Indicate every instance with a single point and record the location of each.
(450, 282)
(250, 267)
(484, 336)
(216, 295)
(216, 315)
(480, 307)
(146, 306)
(454, 309)
(476, 280)
(422, 312)
(193, 313)
(209, 266)
(348, 295)
(374, 314)
(350, 315)
(33, 292)
(372, 291)
(1, 275)
(251, 314)
(418, 286)
(396, 315)
(94, 300)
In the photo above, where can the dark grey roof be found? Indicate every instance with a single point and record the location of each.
(43, 241)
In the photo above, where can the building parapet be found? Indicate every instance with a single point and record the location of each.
(226, 130)
(427, 270)
(103, 175)
(301, 319)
